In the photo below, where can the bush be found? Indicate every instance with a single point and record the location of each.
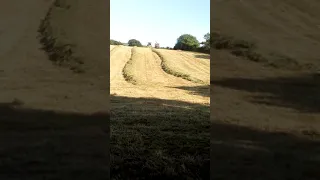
(114, 42)
(187, 42)
(203, 49)
(134, 42)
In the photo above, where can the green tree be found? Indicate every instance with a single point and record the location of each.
(134, 42)
(187, 42)
(114, 42)
(207, 42)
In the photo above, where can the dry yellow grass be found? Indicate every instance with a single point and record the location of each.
(185, 66)
(118, 59)
(57, 118)
(202, 60)
(145, 68)
(150, 108)
(136, 72)
(111, 47)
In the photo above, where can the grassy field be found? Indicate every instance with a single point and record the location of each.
(265, 90)
(160, 122)
(54, 121)
(251, 112)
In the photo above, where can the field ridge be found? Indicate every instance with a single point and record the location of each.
(60, 51)
(125, 71)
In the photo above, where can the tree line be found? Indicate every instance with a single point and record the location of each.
(186, 42)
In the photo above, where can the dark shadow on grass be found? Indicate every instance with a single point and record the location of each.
(165, 139)
(203, 90)
(203, 56)
(300, 92)
(238, 151)
(159, 139)
(41, 144)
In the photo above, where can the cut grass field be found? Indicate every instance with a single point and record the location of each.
(264, 116)
(50, 144)
(265, 90)
(184, 66)
(54, 122)
(285, 33)
(159, 122)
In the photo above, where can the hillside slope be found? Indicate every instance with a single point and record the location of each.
(153, 111)
(54, 122)
(265, 101)
(285, 32)
(137, 72)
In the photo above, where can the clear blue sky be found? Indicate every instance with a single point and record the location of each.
(158, 20)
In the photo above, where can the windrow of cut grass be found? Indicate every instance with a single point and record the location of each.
(251, 51)
(175, 66)
(52, 36)
(144, 68)
(128, 70)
